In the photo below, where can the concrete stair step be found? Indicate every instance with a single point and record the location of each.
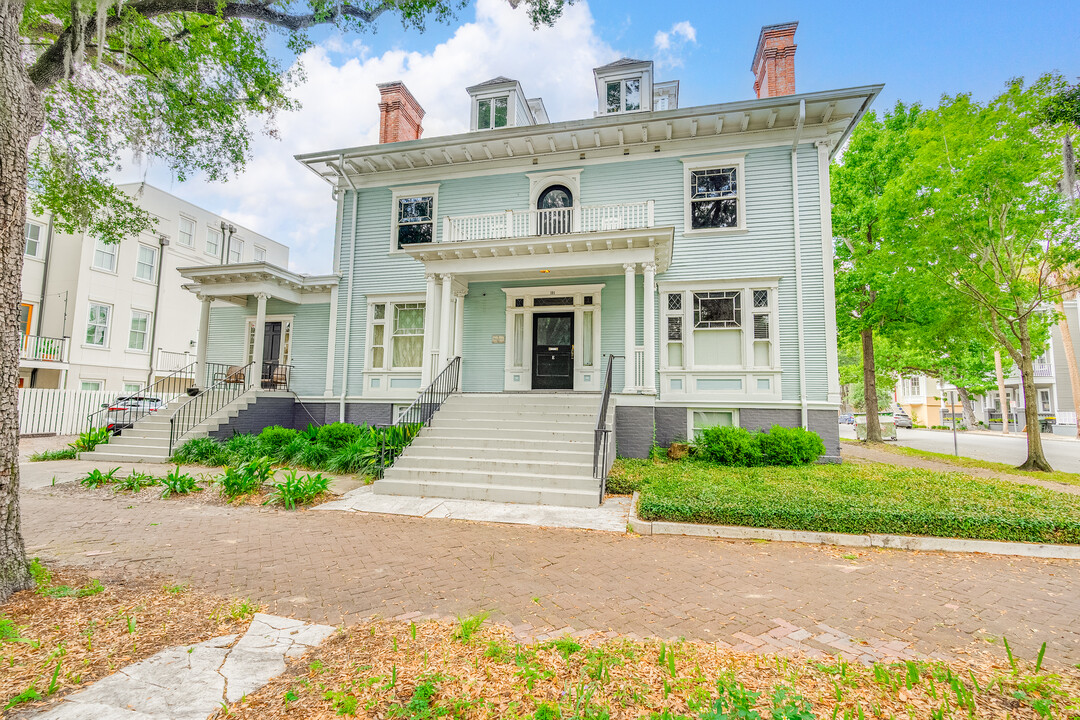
(490, 493)
(577, 443)
(124, 457)
(573, 455)
(495, 466)
(504, 424)
(569, 435)
(514, 414)
(490, 477)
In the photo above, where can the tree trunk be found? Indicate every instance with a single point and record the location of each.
(969, 407)
(869, 372)
(21, 117)
(1036, 459)
(1070, 360)
(1001, 393)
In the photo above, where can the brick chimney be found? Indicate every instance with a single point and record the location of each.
(774, 61)
(399, 113)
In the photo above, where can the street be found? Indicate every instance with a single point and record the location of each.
(1063, 453)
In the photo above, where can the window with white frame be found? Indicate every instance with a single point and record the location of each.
(105, 256)
(213, 241)
(492, 112)
(1044, 401)
(186, 232)
(91, 385)
(139, 332)
(97, 324)
(623, 95)
(236, 250)
(718, 328)
(34, 244)
(146, 263)
(397, 335)
(132, 387)
(913, 386)
(714, 195)
(414, 212)
(260, 254)
(700, 419)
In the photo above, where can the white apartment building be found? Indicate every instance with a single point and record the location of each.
(116, 317)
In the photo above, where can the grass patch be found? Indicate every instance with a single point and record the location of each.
(423, 671)
(47, 455)
(966, 462)
(853, 498)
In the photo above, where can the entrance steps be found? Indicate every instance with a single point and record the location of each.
(510, 447)
(147, 440)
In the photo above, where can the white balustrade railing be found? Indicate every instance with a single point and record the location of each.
(170, 362)
(639, 367)
(1066, 418)
(552, 221)
(43, 349)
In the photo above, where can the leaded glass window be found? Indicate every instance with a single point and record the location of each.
(415, 223)
(718, 309)
(408, 338)
(714, 198)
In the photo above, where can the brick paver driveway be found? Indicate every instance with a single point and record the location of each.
(340, 567)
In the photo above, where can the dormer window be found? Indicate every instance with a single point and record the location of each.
(624, 95)
(491, 113)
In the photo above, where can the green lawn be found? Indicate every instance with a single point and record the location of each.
(850, 498)
(1056, 476)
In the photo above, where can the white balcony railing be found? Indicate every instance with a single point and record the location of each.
(554, 221)
(36, 348)
(170, 362)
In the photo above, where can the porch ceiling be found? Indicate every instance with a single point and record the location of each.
(574, 255)
(236, 283)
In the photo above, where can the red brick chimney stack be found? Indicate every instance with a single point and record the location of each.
(774, 61)
(399, 113)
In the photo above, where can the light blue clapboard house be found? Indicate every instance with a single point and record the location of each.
(562, 290)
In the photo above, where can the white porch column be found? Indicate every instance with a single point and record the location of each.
(459, 321)
(630, 329)
(430, 298)
(255, 374)
(445, 318)
(650, 327)
(204, 334)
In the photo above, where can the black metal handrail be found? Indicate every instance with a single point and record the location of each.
(230, 382)
(275, 376)
(602, 435)
(420, 411)
(125, 410)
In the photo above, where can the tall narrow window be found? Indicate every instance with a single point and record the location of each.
(186, 232)
(415, 223)
(587, 338)
(236, 250)
(378, 336)
(762, 329)
(519, 340)
(26, 312)
(146, 263)
(105, 256)
(97, 324)
(213, 241)
(139, 334)
(673, 329)
(408, 348)
(32, 231)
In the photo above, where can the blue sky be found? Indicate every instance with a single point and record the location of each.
(920, 50)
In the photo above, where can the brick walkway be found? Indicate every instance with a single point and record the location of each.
(334, 568)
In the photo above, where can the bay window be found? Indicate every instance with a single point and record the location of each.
(718, 328)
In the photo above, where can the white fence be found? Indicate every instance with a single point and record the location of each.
(58, 412)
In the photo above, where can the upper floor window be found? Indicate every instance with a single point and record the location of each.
(146, 263)
(913, 386)
(138, 334)
(213, 241)
(624, 95)
(105, 256)
(26, 312)
(236, 250)
(260, 254)
(414, 210)
(491, 113)
(34, 244)
(186, 232)
(97, 324)
(715, 197)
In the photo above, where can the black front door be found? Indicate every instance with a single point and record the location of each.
(272, 342)
(553, 351)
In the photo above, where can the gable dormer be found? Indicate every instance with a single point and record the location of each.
(499, 103)
(624, 86)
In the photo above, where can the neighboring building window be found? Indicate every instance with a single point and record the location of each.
(91, 385)
(260, 254)
(97, 324)
(139, 333)
(913, 386)
(146, 263)
(26, 313)
(702, 419)
(1044, 401)
(105, 256)
(132, 387)
(415, 220)
(491, 113)
(213, 241)
(624, 95)
(187, 232)
(714, 198)
(33, 240)
(236, 250)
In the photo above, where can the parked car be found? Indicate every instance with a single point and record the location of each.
(124, 412)
(847, 419)
(901, 419)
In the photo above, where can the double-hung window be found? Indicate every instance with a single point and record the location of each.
(139, 333)
(715, 198)
(33, 248)
(186, 234)
(213, 241)
(397, 335)
(105, 256)
(260, 254)
(97, 324)
(623, 95)
(491, 113)
(236, 250)
(414, 212)
(146, 263)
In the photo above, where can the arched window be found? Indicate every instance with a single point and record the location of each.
(555, 211)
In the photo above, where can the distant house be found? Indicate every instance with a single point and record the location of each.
(690, 247)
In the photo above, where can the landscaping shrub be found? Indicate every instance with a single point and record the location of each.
(135, 482)
(89, 440)
(246, 478)
(360, 455)
(296, 447)
(337, 435)
(314, 456)
(95, 478)
(297, 490)
(201, 451)
(178, 482)
(729, 446)
(274, 439)
(789, 446)
(242, 448)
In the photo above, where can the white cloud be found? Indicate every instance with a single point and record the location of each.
(278, 197)
(669, 44)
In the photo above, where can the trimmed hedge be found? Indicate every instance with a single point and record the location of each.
(738, 447)
(870, 498)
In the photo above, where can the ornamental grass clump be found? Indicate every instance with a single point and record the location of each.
(297, 489)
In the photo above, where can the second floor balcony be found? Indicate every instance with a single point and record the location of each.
(41, 351)
(510, 224)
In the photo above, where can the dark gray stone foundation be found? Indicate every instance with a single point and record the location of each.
(292, 413)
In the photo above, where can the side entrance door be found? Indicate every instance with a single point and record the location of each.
(271, 354)
(553, 351)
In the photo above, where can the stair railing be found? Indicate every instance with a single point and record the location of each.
(229, 383)
(125, 410)
(603, 456)
(396, 436)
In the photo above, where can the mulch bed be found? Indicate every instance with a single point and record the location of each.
(90, 637)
